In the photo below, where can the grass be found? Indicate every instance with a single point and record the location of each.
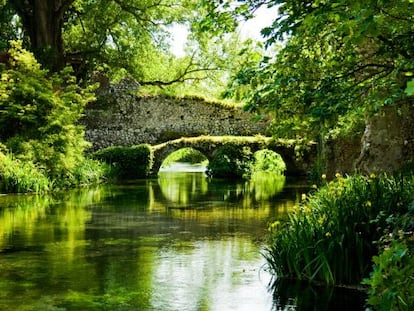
(17, 176)
(21, 176)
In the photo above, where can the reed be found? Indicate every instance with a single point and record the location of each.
(330, 237)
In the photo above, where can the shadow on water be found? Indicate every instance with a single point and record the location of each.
(302, 296)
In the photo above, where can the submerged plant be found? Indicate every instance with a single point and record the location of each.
(330, 236)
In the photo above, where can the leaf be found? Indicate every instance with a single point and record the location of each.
(410, 88)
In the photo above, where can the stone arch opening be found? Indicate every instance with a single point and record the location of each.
(185, 159)
(267, 160)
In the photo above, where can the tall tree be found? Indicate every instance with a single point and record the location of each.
(62, 32)
(43, 21)
(338, 59)
(121, 37)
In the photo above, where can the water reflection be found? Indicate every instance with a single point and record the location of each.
(295, 295)
(177, 243)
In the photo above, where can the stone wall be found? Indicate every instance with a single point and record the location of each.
(388, 141)
(387, 144)
(125, 119)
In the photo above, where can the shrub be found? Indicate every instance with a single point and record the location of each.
(329, 238)
(128, 162)
(232, 161)
(39, 114)
(90, 171)
(17, 176)
(392, 280)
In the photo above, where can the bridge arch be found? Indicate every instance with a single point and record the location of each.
(208, 145)
(186, 154)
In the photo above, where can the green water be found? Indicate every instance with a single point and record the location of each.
(179, 242)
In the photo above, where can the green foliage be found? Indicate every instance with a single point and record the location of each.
(410, 88)
(21, 176)
(392, 281)
(132, 38)
(9, 30)
(188, 155)
(39, 115)
(232, 161)
(128, 162)
(330, 237)
(268, 161)
(340, 61)
(89, 172)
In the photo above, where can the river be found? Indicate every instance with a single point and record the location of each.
(180, 242)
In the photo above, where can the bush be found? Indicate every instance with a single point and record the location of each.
(232, 161)
(89, 172)
(17, 176)
(128, 162)
(39, 114)
(392, 281)
(329, 238)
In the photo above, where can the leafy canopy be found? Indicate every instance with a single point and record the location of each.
(126, 38)
(336, 61)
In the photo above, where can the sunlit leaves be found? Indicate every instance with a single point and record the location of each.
(410, 88)
(39, 114)
(336, 57)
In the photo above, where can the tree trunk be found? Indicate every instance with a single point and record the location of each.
(43, 22)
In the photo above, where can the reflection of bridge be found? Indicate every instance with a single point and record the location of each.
(207, 145)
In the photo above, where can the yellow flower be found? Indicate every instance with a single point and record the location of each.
(322, 220)
(314, 186)
(306, 209)
(303, 196)
(372, 176)
(323, 176)
(328, 234)
(338, 175)
(274, 225)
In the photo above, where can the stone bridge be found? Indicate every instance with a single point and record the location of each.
(296, 164)
(123, 119)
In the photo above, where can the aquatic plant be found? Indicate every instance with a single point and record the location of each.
(330, 236)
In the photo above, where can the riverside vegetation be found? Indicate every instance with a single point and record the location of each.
(340, 62)
(330, 238)
(336, 230)
(42, 145)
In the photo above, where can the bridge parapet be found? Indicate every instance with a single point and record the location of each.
(124, 119)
